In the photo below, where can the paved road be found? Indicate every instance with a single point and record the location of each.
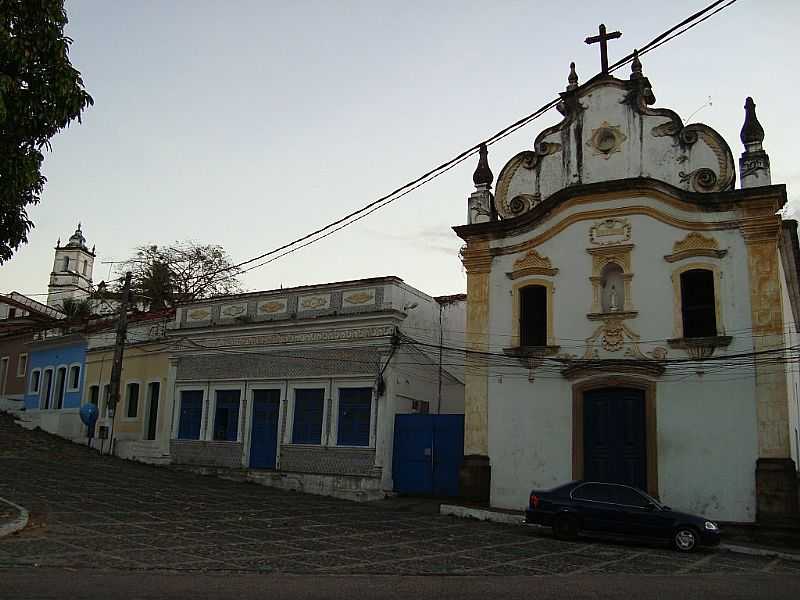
(56, 585)
(91, 512)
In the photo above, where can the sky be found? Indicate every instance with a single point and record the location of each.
(249, 124)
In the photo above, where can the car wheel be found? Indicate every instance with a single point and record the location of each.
(565, 527)
(684, 539)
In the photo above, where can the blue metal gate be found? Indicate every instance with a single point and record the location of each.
(428, 451)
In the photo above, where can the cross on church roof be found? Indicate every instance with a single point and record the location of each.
(603, 38)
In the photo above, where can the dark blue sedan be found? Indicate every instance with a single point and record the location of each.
(616, 509)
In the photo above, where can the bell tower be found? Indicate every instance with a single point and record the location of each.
(71, 276)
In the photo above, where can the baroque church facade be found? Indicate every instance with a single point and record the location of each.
(629, 311)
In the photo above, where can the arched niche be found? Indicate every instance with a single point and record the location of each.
(612, 292)
(611, 276)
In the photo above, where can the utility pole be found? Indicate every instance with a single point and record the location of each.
(119, 349)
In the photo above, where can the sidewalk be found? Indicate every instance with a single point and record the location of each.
(752, 539)
(13, 518)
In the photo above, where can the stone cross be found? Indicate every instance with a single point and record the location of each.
(603, 38)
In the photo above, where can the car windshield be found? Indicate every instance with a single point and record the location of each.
(651, 499)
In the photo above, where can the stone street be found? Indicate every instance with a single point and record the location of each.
(92, 512)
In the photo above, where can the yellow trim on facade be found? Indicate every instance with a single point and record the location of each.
(605, 213)
(477, 261)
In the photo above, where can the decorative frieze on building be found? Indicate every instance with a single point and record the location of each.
(275, 306)
(309, 337)
(196, 315)
(358, 298)
(232, 311)
(315, 302)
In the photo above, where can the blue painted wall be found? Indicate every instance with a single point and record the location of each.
(54, 357)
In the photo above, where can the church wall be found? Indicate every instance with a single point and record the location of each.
(708, 445)
(791, 340)
(707, 437)
(530, 436)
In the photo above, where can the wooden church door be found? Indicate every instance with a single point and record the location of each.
(614, 444)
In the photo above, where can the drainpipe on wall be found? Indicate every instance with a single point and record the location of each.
(441, 348)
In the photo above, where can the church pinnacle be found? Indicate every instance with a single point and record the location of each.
(636, 66)
(483, 174)
(754, 163)
(572, 79)
(752, 133)
(480, 205)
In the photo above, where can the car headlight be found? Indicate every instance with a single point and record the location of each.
(711, 526)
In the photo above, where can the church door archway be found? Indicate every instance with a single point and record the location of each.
(615, 436)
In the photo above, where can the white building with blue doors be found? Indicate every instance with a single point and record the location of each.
(298, 388)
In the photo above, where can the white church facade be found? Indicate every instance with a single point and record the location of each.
(629, 312)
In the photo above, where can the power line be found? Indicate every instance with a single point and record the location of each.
(401, 191)
(480, 353)
(673, 32)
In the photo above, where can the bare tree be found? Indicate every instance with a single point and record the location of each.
(164, 276)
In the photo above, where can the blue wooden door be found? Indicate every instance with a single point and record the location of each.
(614, 436)
(428, 451)
(264, 432)
(448, 453)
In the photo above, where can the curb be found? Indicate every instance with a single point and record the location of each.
(481, 514)
(17, 524)
(749, 550)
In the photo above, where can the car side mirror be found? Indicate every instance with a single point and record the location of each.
(650, 506)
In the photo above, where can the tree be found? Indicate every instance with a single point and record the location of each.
(164, 276)
(77, 309)
(40, 94)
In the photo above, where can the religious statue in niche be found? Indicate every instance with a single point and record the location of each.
(613, 297)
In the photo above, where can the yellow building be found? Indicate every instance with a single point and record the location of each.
(140, 428)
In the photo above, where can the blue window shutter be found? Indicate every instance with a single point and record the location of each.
(308, 407)
(191, 415)
(226, 416)
(355, 408)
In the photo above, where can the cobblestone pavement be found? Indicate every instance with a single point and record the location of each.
(99, 512)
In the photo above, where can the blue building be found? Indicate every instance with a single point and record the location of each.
(55, 384)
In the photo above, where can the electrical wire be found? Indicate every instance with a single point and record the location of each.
(355, 215)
